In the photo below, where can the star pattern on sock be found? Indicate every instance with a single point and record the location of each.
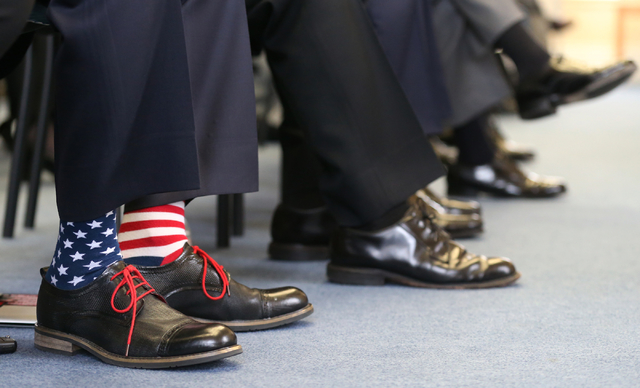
(95, 224)
(76, 280)
(94, 244)
(84, 250)
(92, 264)
(108, 251)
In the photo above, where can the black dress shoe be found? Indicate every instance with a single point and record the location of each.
(502, 177)
(541, 97)
(460, 219)
(196, 285)
(300, 234)
(414, 252)
(135, 332)
(304, 235)
(445, 205)
(509, 148)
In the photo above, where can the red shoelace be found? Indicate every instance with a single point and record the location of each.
(219, 269)
(129, 274)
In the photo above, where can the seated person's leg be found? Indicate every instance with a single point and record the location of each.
(225, 127)
(125, 129)
(542, 87)
(481, 166)
(372, 149)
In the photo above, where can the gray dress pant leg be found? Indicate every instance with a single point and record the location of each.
(466, 31)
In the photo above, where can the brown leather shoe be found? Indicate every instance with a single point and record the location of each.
(134, 332)
(196, 285)
(414, 252)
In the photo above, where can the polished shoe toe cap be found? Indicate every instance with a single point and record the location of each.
(199, 337)
(545, 185)
(284, 300)
(498, 268)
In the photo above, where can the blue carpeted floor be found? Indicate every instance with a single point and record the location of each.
(572, 320)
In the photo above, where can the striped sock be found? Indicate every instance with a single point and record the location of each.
(153, 236)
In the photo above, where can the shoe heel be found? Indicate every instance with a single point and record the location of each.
(356, 276)
(534, 109)
(55, 345)
(456, 187)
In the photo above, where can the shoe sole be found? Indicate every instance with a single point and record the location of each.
(520, 157)
(464, 233)
(379, 277)
(68, 344)
(297, 252)
(264, 324)
(463, 189)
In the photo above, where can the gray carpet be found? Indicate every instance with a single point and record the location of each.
(572, 320)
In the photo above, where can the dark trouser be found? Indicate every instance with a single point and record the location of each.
(473, 142)
(153, 97)
(405, 31)
(339, 89)
(13, 16)
(341, 93)
(299, 183)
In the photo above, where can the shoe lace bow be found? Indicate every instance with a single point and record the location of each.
(219, 269)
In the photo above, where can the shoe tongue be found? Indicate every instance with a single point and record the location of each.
(187, 250)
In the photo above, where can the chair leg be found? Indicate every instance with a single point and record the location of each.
(17, 158)
(238, 214)
(119, 212)
(224, 217)
(41, 135)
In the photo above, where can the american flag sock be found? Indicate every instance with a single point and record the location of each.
(153, 236)
(83, 251)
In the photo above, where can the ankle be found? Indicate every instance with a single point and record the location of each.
(389, 218)
(153, 236)
(83, 251)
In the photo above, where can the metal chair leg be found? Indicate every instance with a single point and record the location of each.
(238, 214)
(41, 135)
(224, 218)
(17, 159)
